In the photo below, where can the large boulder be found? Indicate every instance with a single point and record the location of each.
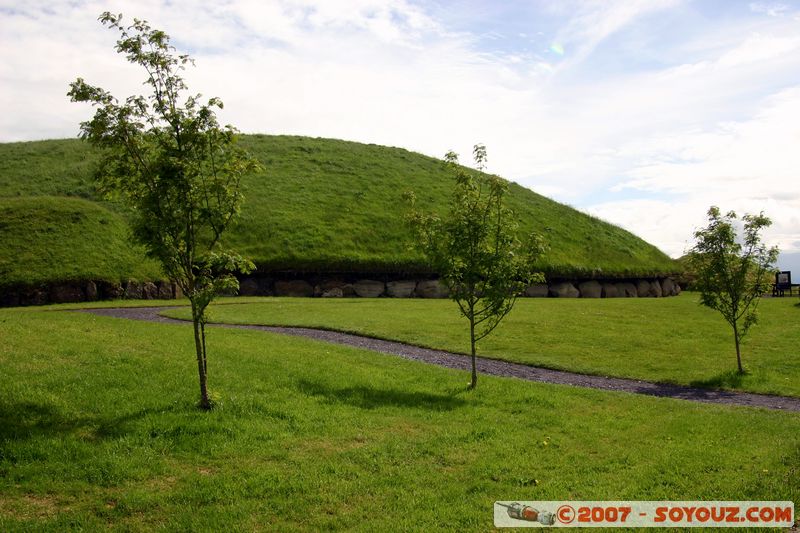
(149, 291)
(369, 288)
(668, 287)
(626, 289)
(9, 298)
(590, 289)
(348, 291)
(401, 289)
(133, 290)
(564, 289)
(33, 296)
(329, 284)
(249, 287)
(110, 291)
(90, 291)
(326, 286)
(643, 288)
(335, 292)
(655, 289)
(540, 290)
(295, 287)
(66, 293)
(164, 290)
(432, 289)
(610, 290)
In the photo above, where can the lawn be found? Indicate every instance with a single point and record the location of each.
(672, 340)
(98, 430)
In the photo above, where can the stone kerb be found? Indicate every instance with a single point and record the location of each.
(321, 286)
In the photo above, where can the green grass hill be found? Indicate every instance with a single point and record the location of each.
(321, 205)
(49, 238)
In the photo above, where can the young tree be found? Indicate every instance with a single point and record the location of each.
(177, 169)
(475, 249)
(733, 273)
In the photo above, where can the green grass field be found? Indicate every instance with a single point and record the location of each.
(672, 340)
(98, 430)
(321, 204)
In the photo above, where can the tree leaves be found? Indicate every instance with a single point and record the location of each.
(733, 272)
(475, 248)
(166, 155)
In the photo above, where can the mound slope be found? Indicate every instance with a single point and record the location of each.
(46, 239)
(322, 205)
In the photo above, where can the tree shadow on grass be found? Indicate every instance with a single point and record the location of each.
(730, 379)
(28, 419)
(25, 420)
(371, 398)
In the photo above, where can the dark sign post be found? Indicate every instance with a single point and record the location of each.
(783, 282)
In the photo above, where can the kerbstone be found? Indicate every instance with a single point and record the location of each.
(564, 289)
(369, 288)
(590, 289)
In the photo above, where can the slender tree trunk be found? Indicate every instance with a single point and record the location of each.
(474, 382)
(738, 351)
(199, 342)
(203, 338)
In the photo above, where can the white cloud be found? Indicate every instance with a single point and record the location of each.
(746, 166)
(594, 21)
(671, 223)
(758, 48)
(707, 119)
(773, 9)
(757, 157)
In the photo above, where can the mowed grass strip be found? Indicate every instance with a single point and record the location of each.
(670, 340)
(98, 430)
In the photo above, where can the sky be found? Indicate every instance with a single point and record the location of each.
(641, 112)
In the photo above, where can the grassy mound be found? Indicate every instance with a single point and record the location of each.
(325, 205)
(49, 239)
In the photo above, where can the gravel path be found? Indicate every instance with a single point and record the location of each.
(489, 366)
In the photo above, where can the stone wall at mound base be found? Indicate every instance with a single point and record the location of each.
(327, 287)
(342, 287)
(87, 291)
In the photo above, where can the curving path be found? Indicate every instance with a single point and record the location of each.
(488, 366)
